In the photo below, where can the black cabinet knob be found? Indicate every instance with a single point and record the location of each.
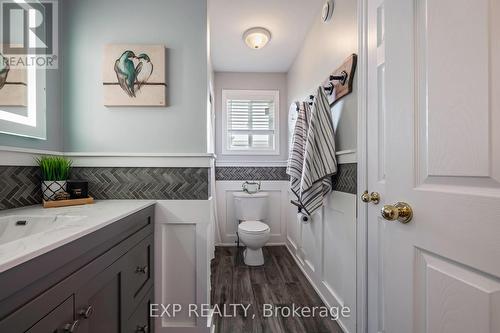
(142, 329)
(141, 270)
(72, 327)
(86, 313)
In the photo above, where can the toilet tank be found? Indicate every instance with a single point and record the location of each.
(251, 206)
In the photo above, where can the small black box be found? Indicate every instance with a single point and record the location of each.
(78, 189)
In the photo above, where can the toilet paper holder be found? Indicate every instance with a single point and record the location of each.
(301, 209)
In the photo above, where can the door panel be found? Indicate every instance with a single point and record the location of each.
(452, 63)
(453, 97)
(439, 149)
(462, 289)
(102, 293)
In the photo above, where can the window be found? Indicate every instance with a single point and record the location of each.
(250, 122)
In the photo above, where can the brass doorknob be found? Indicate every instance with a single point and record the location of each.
(400, 211)
(372, 197)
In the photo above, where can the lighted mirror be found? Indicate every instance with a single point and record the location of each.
(22, 68)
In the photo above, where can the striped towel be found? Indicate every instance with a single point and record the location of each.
(297, 148)
(320, 163)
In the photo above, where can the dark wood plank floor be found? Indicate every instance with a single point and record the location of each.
(279, 282)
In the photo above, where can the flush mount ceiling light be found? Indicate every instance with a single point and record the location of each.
(256, 38)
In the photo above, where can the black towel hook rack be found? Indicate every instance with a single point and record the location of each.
(329, 88)
(311, 97)
(342, 78)
(339, 81)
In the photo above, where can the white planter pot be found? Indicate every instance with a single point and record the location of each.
(51, 188)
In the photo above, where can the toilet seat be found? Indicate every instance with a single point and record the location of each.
(253, 227)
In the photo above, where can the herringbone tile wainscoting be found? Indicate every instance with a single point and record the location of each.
(250, 173)
(20, 185)
(146, 183)
(344, 181)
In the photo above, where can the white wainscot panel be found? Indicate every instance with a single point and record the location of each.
(179, 264)
(325, 250)
(292, 223)
(279, 206)
(182, 255)
(454, 298)
(339, 252)
(310, 247)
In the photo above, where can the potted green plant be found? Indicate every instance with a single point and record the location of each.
(55, 172)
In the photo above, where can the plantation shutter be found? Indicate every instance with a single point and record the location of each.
(250, 124)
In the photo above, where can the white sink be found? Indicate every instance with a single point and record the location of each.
(15, 227)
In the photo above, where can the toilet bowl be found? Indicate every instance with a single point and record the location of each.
(254, 234)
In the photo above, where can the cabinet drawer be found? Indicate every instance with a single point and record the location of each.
(139, 321)
(138, 273)
(59, 320)
(47, 313)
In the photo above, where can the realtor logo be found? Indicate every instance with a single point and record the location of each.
(29, 33)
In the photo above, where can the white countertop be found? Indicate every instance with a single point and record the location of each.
(93, 217)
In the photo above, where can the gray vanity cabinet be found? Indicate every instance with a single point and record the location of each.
(114, 297)
(97, 302)
(104, 288)
(139, 321)
(58, 320)
(137, 274)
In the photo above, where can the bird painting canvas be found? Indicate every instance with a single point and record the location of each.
(134, 75)
(13, 84)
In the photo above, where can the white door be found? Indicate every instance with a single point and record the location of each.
(434, 143)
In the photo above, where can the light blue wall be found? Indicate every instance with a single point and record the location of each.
(181, 25)
(325, 48)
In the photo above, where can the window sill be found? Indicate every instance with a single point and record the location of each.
(249, 153)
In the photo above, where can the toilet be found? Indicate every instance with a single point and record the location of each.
(251, 213)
